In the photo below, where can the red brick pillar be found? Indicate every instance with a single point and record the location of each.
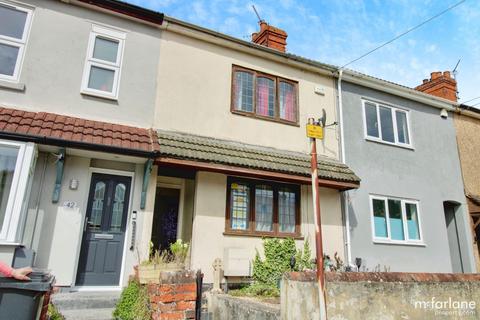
(46, 302)
(174, 297)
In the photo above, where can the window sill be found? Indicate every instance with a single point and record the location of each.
(408, 147)
(263, 235)
(9, 244)
(400, 243)
(98, 95)
(255, 116)
(18, 86)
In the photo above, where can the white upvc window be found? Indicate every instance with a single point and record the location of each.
(395, 220)
(101, 76)
(17, 163)
(386, 124)
(14, 29)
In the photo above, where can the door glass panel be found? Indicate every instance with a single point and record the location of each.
(8, 160)
(380, 218)
(101, 79)
(97, 206)
(412, 221)
(387, 124)
(118, 206)
(263, 208)
(8, 59)
(396, 221)
(240, 208)
(371, 119)
(12, 22)
(105, 49)
(286, 210)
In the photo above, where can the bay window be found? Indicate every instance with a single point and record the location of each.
(395, 220)
(104, 61)
(264, 96)
(386, 124)
(17, 161)
(262, 208)
(14, 29)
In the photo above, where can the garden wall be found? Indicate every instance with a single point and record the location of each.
(226, 307)
(371, 295)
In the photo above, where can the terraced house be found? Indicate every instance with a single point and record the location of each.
(411, 205)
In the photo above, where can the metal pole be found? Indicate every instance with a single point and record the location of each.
(318, 229)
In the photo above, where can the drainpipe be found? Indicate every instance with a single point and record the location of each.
(343, 160)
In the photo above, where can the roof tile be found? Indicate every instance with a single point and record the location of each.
(76, 129)
(205, 149)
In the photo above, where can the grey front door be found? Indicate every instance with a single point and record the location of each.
(100, 260)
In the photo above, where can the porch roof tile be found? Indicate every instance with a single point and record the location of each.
(205, 149)
(81, 131)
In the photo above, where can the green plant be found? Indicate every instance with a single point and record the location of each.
(179, 251)
(133, 303)
(53, 313)
(257, 290)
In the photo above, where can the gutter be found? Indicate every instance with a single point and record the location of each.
(78, 145)
(468, 111)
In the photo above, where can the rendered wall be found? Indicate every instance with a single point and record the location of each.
(208, 241)
(194, 80)
(357, 295)
(429, 173)
(54, 61)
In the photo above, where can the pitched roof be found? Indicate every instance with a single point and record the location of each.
(205, 149)
(50, 127)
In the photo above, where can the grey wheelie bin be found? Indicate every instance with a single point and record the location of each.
(23, 300)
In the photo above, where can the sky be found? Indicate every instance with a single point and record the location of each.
(339, 31)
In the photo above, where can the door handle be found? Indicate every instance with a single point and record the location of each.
(86, 224)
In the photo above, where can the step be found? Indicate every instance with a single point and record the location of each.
(85, 300)
(88, 314)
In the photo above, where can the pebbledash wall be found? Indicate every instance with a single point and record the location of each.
(429, 172)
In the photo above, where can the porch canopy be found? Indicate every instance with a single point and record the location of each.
(230, 157)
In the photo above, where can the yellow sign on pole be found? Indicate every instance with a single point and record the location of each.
(314, 131)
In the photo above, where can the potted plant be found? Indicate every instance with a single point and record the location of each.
(163, 260)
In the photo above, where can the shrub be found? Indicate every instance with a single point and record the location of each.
(257, 289)
(278, 255)
(133, 303)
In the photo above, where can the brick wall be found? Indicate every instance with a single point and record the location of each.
(173, 298)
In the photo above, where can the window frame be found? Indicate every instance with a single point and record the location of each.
(251, 230)
(393, 110)
(17, 202)
(388, 239)
(107, 34)
(19, 43)
(277, 80)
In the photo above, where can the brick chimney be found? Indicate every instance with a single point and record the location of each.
(441, 85)
(270, 37)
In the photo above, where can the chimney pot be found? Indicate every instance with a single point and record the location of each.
(425, 80)
(446, 74)
(435, 75)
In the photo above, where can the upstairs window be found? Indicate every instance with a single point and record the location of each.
(14, 28)
(386, 124)
(395, 220)
(262, 208)
(264, 96)
(104, 61)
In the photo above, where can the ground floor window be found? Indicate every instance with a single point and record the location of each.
(262, 208)
(395, 220)
(16, 162)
